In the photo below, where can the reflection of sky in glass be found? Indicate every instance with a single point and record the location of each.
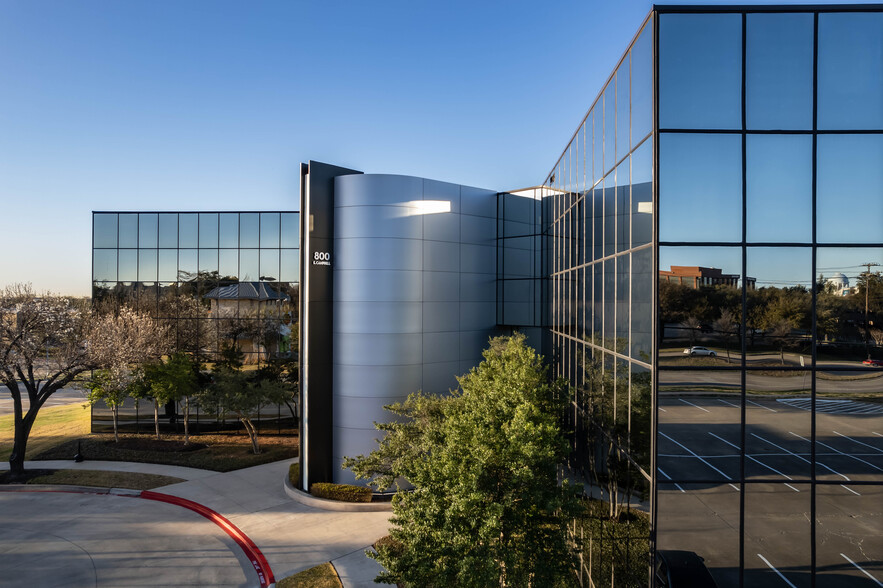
(779, 71)
(208, 230)
(727, 259)
(229, 230)
(168, 265)
(128, 230)
(850, 71)
(290, 230)
(780, 267)
(700, 71)
(188, 225)
(104, 231)
(779, 188)
(147, 230)
(128, 265)
(642, 85)
(847, 261)
(850, 189)
(248, 229)
(269, 229)
(700, 187)
(168, 230)
(622, 109)
(610, 126)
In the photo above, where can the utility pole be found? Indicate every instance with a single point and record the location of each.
(869, 265)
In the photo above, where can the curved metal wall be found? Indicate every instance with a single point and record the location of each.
(414, 296)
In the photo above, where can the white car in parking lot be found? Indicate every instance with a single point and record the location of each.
(696, 351)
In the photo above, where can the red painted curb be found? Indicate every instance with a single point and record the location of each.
(257, 559)
(265, 574)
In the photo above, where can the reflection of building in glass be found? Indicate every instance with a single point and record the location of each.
(696, 276)
(218, 279)
(760, 131)
(840, 283)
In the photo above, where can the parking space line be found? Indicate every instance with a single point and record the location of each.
(730, 403)
(752, 458)
(861, 570)
(691, 452)
(857, 441)
(693, 405)
(841, 453)
(662, 409)
(787, 581)
(850, 489)
(669, 477)
(801, 457)
(760, 405)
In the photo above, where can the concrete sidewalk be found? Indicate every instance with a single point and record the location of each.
(292, 536)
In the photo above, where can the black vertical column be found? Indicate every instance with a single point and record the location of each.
(316, 326)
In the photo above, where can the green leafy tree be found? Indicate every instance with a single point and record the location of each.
(241, 393)
(486, 508)
(174, 380)
(111, 386)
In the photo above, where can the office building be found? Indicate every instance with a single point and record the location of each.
(723, 191)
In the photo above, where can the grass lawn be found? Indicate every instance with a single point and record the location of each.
(95, 478)
(54, 425)
(58, 429)
(321, 576)
(220, 453)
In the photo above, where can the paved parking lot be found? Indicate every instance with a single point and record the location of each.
(699, 467)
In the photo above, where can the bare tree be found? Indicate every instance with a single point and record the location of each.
(781, 333)
(692, 324)
(727, 328)
(42, 350)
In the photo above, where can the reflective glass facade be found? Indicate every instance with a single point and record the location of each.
(716, 296)
(217, 278)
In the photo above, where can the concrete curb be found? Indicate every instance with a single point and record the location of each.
(324, 504)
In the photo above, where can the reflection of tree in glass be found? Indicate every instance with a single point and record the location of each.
(727, 328)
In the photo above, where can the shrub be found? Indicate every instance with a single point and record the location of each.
(341, 492)
(294, 475)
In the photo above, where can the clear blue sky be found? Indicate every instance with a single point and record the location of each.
(211, 105)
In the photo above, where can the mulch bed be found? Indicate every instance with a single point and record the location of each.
(152, 444)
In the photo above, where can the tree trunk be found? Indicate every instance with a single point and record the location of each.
(156, 417)
(252, 434)
(22, 432)
(187, 420)
(115, 411)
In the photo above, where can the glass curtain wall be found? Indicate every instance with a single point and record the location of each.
(769, 440)
(218, 279)
(601, 215)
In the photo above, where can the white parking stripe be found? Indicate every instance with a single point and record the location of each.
(669, 477)
(801, 458)
(691, 452)
(861, 570)
(840, 452)
(760, 405)
(857, 441)
(730, 403)
(693, 405)
(787, 581)
(752, 458)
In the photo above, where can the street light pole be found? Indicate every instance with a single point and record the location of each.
(867, 289)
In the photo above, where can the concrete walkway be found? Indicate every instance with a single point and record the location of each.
(292, 537)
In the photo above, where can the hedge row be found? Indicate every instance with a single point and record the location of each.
(341, 492)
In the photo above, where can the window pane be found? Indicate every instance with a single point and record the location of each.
(269, 265)
(128, 265)
(700, 187)
(610, 126)
(700, 71)
(229, 230)
(642, 85)
(642, 309)
(843, 531)
(598, 140)
(147, 265)
(104, 231)
(777, 534)
(642, 194)
(290, 229)
(779, 71)
(187, 264)
(168, 230)
(208, 262)
(147, 230)
(269, 229)
(128, 230)
(249, 229)
(623, 206)
(168, 265)
(249, 270)
(622, 109)
(208, 230)
(228, 263)
(851, 71)
(850, 188)
(290, 264)
(779, 175)
(188, 230)
(104, 264)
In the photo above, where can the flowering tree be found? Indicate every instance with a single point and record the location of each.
(120, 342)
(41, 351)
